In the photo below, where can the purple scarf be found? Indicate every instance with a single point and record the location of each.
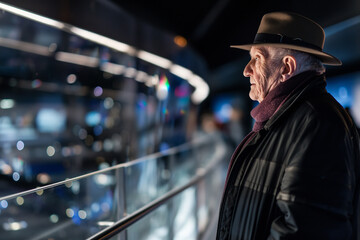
(276, 97)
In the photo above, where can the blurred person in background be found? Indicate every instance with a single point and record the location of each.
(296, 175)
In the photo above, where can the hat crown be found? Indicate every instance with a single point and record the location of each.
(294, 26)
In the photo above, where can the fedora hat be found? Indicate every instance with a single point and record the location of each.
(292, 31)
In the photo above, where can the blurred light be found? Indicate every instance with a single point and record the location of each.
(20, 145)
(98, 130)
(4, 204)
(130, 72)
(32, 16)
(105, 207)
(69, 184)
(154, 59)
(51, 120)
(141, 76)
(103, 165)
(103, 180)
(163, 88)
(142, 103)
(50, 151)
(78, 149)
(20, 200)
(43, 178)
(341, 26)
(343, 93)
(18, 164)
(82, 132)
(109, 122)
(98, 91)
(24, 46)
(75, 188)
(108, 103)
(180, 71)
(92, 119)
(97, 146)
(16, 176)
(164, 146)
(108, 145)
(201, 89)
(119, 46)
(40, 192)
(95, 207)
(54, 218)
(200, 93)
(82, 214)
(71, 79)
(180, 41)
(14, 226)
(77, 59)
(105, 223)
(181, 91)
(66, 151)
(69, 212)
(152, 81)
(52, 47)
(36, 83)
(7, 103)
(6, 169)
(113, 68)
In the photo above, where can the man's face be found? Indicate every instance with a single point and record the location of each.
(263, 72)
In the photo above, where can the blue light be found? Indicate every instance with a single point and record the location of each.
(93, 118)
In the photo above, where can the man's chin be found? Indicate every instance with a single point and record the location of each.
(253, 97)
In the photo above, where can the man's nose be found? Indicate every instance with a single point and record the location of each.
(247, 70)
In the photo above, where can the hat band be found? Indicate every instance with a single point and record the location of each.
(278, 38)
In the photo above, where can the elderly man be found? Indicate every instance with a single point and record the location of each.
(296, 175)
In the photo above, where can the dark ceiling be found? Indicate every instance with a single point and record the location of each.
(211, 26)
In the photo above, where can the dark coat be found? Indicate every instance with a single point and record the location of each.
(298, 177)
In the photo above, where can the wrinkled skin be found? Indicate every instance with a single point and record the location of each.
(263, 71)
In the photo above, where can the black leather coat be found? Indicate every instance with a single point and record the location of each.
(298, 177)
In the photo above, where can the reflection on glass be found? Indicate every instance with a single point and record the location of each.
(71, 106)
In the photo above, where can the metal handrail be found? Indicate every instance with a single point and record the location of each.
(125, 222)
(170, 151)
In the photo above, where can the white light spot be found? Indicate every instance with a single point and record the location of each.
(82, 214)
(20, 145)
(16, 176)
(54, 218)
(7, 103)
(108, 103)
(4, 204)
(20, 200)
(69, 212)
(71, 79)
(50, 150)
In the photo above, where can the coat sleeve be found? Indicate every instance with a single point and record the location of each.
(317, 187)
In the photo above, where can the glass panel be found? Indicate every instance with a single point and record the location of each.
(69, 107)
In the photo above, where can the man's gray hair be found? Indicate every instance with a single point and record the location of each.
(304, 61)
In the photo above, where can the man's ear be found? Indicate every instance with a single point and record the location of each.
(289, 68)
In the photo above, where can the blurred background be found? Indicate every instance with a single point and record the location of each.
(108, 105)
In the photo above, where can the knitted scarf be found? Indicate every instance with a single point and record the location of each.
(276, 97)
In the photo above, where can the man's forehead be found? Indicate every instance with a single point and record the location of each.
(254, 50)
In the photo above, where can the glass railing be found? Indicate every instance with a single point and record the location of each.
(172, 194)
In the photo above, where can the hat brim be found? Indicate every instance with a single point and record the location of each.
(325, 58)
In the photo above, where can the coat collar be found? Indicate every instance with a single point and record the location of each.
(315, 83)
(275, 99)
